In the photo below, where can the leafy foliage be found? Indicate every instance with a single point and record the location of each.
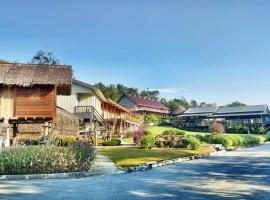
(44, 58)
(216, 128)
(113, 142)
(35, 160)
(235, 104)
(150, 94)
(189, 143)
(148, 141)
(173, 132)
(152, 119)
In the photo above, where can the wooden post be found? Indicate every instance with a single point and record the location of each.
(95, 136)
(15, 130)
(121, 136)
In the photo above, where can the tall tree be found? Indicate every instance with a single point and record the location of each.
(235, 104)
(193, 103)
(153, 94)
(44, 58)
(175, 103)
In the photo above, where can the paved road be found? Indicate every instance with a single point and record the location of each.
(233, 175)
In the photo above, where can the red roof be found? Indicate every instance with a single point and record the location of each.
(148, 103)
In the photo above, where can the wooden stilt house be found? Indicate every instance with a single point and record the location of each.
(122, 119)
(28, 94)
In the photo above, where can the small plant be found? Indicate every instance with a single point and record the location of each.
(203, 138)
(152, 119)
(137, 136)
(268, 137)
(113, 142)
(189, 143)
(250, 140)
(173, 132)
(148, 141)
(39, 159)
(216, 128)
(221, 139)
(261, 130)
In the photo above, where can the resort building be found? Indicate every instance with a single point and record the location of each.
(250, 116)
(143, 106)
(28, 96)
(98, 114)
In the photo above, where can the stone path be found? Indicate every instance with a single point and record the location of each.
(102, 165)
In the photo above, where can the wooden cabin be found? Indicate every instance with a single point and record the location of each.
(28, 93)
(85, 102)
(144, 106)
(121, 119)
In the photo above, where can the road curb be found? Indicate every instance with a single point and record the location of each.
(161, 163)
(69, 175)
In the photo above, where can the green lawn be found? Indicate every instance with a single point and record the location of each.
(158, 130)
(128, 156)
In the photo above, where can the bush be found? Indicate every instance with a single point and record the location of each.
(216, 128)
(189, 143)
(236, 141)
(148, 141)
(221, 139)
(173, 132)
(261, 130)
(147, 132)
(39, 159)
(152, 119)
(169, 144)
(268, 137)
(203, 138)
(251, 140)
(113, 142)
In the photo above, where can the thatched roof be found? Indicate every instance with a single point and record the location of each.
(26, 75)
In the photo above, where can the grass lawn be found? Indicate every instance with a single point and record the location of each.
(128, 156)
(158, 130)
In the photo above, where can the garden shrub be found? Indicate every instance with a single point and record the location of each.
(221, 139)
(169, 144)
(203, 138)
(152, 119)
(268, 137)
(216, 128)
(147, 132)
(159, 144)
(69, 140)
(113, 142)
(250, 140)
(148, 141)
(236, 141)
(173, 132)
(189, 143)
(40, 159)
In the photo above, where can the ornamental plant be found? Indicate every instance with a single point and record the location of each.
(137, 136)
(216, 128)
(40, 159)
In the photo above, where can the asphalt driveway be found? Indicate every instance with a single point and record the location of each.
(233, 175)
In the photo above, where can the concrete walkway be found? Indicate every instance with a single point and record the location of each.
(102, 165)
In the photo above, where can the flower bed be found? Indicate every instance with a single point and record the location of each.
(37, 160)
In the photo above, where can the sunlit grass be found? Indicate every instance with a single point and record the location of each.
(128, 156)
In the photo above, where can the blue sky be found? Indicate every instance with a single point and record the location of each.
(214, 51)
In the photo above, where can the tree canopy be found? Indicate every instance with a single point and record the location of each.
(235, 104)
(44, 58)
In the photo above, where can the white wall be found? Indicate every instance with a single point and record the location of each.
(80, 96)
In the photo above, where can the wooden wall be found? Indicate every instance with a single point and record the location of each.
(28, 102)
